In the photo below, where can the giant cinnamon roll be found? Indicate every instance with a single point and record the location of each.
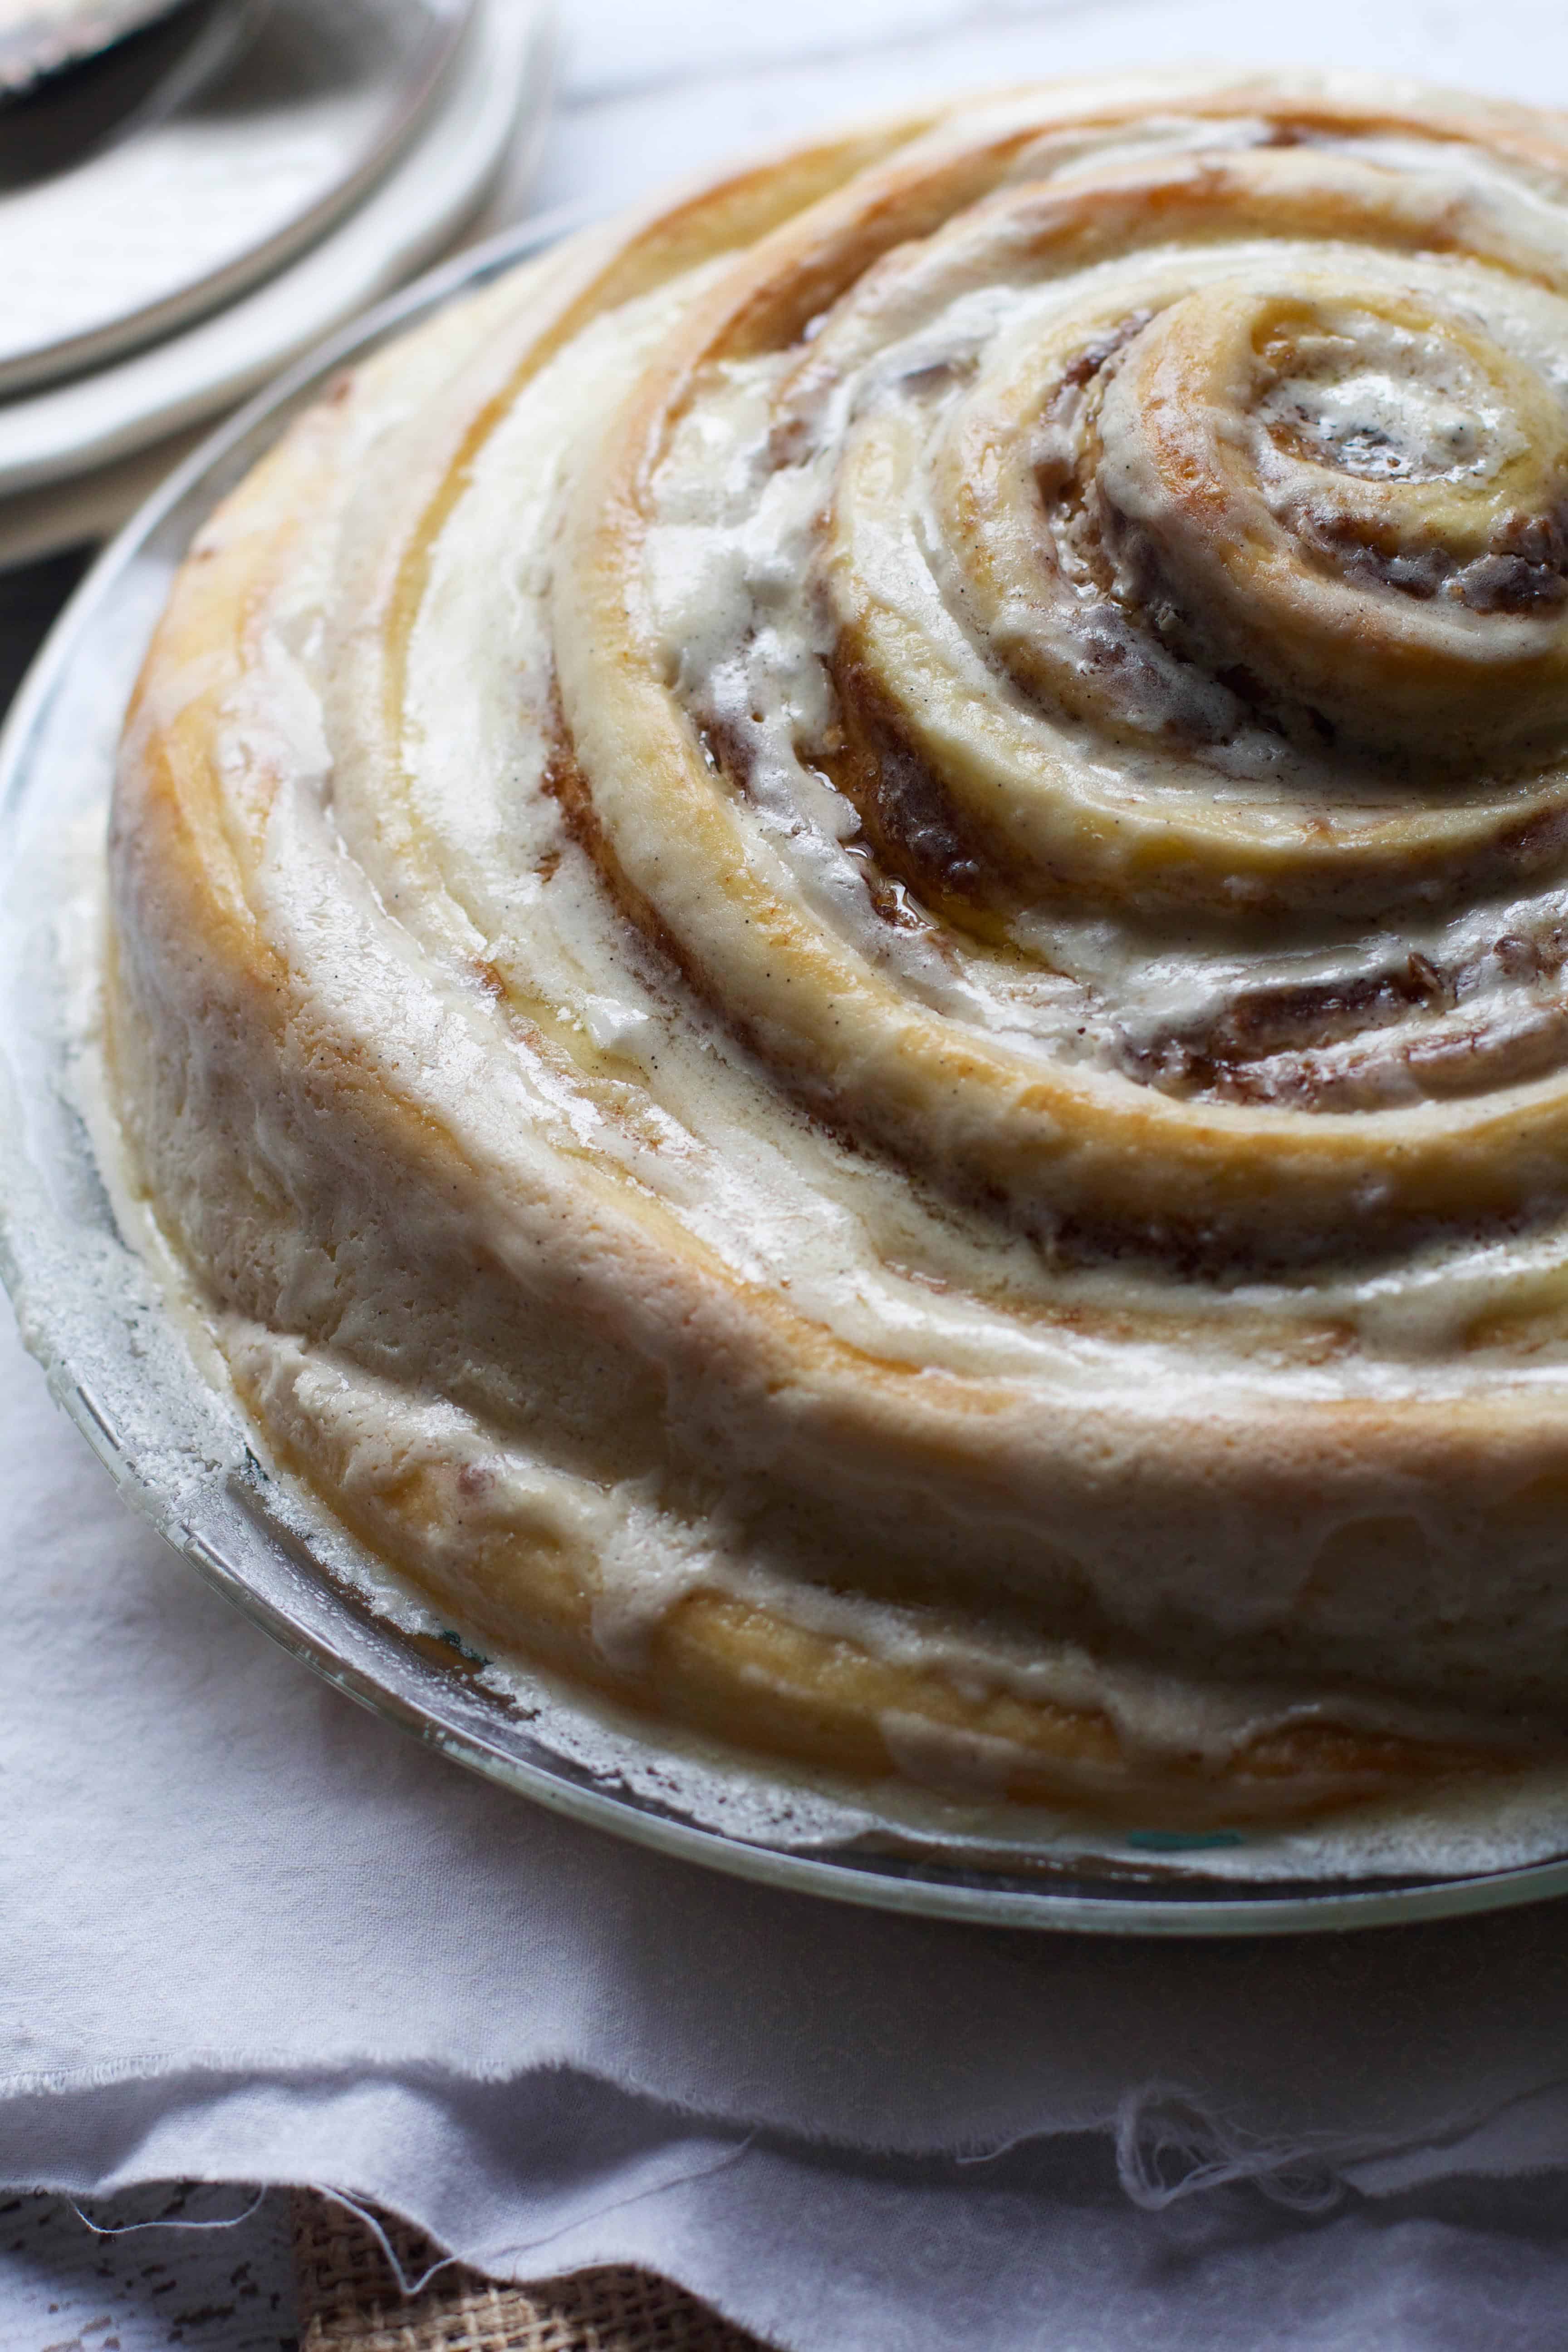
(839, 948)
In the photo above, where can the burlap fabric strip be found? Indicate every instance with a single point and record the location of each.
(350, 2296)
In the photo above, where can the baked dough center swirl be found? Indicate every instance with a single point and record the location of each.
(1318, 504)
(1166, 556)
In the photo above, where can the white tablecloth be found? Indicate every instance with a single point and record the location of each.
(251, 1933)
(247, 1933)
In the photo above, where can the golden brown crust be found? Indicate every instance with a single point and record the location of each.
(373, 1239)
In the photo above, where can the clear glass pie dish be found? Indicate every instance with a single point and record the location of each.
(134, 1376)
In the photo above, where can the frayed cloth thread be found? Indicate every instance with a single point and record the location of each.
(498, 2255)
(720, 2163)
(406, 2287)
(1169, 2147)
(162, 2222)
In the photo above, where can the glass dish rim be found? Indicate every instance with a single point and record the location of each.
(1177, 1900)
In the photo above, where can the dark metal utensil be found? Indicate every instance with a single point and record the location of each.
(39, 38)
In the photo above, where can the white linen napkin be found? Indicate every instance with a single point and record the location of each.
(250, 1933)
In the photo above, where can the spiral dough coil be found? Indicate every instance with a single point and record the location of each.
(838, 942)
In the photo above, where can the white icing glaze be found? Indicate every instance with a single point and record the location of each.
(450, 934)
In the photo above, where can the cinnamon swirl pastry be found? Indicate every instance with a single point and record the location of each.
(839, 948)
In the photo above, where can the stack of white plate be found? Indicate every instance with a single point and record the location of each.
(191, 207)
